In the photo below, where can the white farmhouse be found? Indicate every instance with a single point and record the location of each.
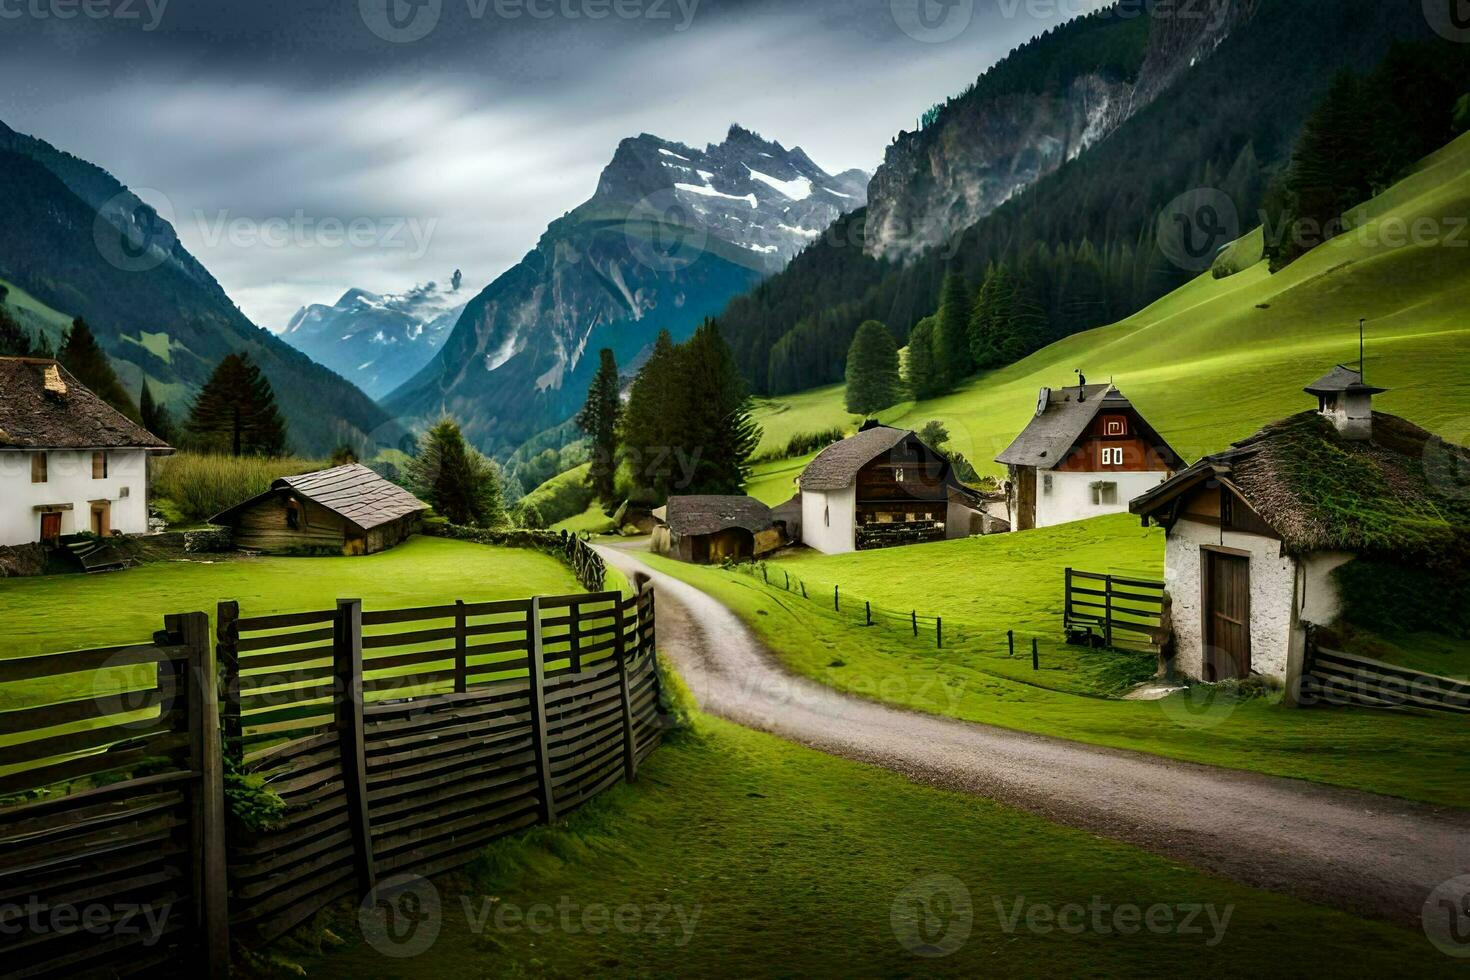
(1086, 453)
(69, 462)
(1256, 533)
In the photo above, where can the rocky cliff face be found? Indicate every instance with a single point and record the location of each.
(997, 140)
(670, 236)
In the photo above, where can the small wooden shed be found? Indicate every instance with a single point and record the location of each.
(347, 509)
(705, 529)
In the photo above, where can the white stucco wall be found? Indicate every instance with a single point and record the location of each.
(1276, 587)
(1071, 494)
(829, 520)
(69, 481)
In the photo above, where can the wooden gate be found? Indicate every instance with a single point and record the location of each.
(1227, 616)
(112, 811)
(1113, 610)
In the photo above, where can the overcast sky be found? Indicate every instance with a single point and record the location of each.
(303, 147)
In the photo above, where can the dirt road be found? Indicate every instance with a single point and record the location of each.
(1370, 855)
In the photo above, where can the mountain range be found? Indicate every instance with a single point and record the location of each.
(668, 237)
(79, 242)
(379, 341)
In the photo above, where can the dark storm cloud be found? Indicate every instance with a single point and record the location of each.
(449, 133)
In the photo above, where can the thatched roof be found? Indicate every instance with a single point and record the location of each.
(1405, 492)
(43, 407)
(353, 491)
(836, 467)
(712, 514)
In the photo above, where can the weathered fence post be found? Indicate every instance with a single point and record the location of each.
(914, 618)
(347, 674)
(1035, 655)
(765, 575)
(788, 579)
(1067, 600)
(574, 639)
(1011, 643)
(211, 909)
(461, 645)
(536, 663)
(803, 588)
(868, 612)
(227, 657)
(836, 598)
(625, 690)
(939, 632)
(1108, 613)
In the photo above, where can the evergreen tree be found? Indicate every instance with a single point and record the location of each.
(599, 418)
(14, 340)
(952, 336)
(236, 412)
(718, 435)
(654, 401)
(873, 381)
(455, 479)
(83, 357)
(155, 415)
(990, 319)
(921, 371)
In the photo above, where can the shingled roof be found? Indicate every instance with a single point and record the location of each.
(1069, 411)
(353, 491)
(1341, 378)
(836, 467)
(43, 407)
(712, 514)
(1404, 493)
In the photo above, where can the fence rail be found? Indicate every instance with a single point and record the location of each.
(1113, 610)
(1334, 677)
(399, 740)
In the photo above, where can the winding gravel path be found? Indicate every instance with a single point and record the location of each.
(1370, 855)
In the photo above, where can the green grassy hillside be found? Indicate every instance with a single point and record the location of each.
(35, 315)
(1218, 358)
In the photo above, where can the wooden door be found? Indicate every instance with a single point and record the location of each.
(50, 526)
(102, 519)
(1227, 617)
(1024, 519)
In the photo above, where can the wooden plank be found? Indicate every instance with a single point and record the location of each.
(461, 682)
(256, 624)
(276, 641)
(349, 721)
(389, 617)
(27, 720)
(227, 654)
(84, 661)
(537, 667)
(207, 830)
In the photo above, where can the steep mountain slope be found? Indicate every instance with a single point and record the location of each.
(1216, 359)
(81, 243)
(1088, 234)
(378, 342)
(1041, 107)
(669, 236)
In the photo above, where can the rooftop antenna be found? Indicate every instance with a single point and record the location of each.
(1362, 326)
(1081, 384)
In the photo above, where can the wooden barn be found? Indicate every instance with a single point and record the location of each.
(347, 509)
(707, 529)
(883, 487)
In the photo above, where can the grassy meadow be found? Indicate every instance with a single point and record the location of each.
(1218, 358)
(986, 586)
(734, 855)
(190, 488)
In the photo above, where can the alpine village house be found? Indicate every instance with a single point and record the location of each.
(883, 487)
(1086, 453)
(348, 510)
(1259, 536)
(69, 462)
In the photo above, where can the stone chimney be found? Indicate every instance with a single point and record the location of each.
(52, 381)
(1347, 401)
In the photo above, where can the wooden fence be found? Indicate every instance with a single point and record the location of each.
(1113, 610)
(399, 740)
(1334, 677)
(586, 563)
(127, 872)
